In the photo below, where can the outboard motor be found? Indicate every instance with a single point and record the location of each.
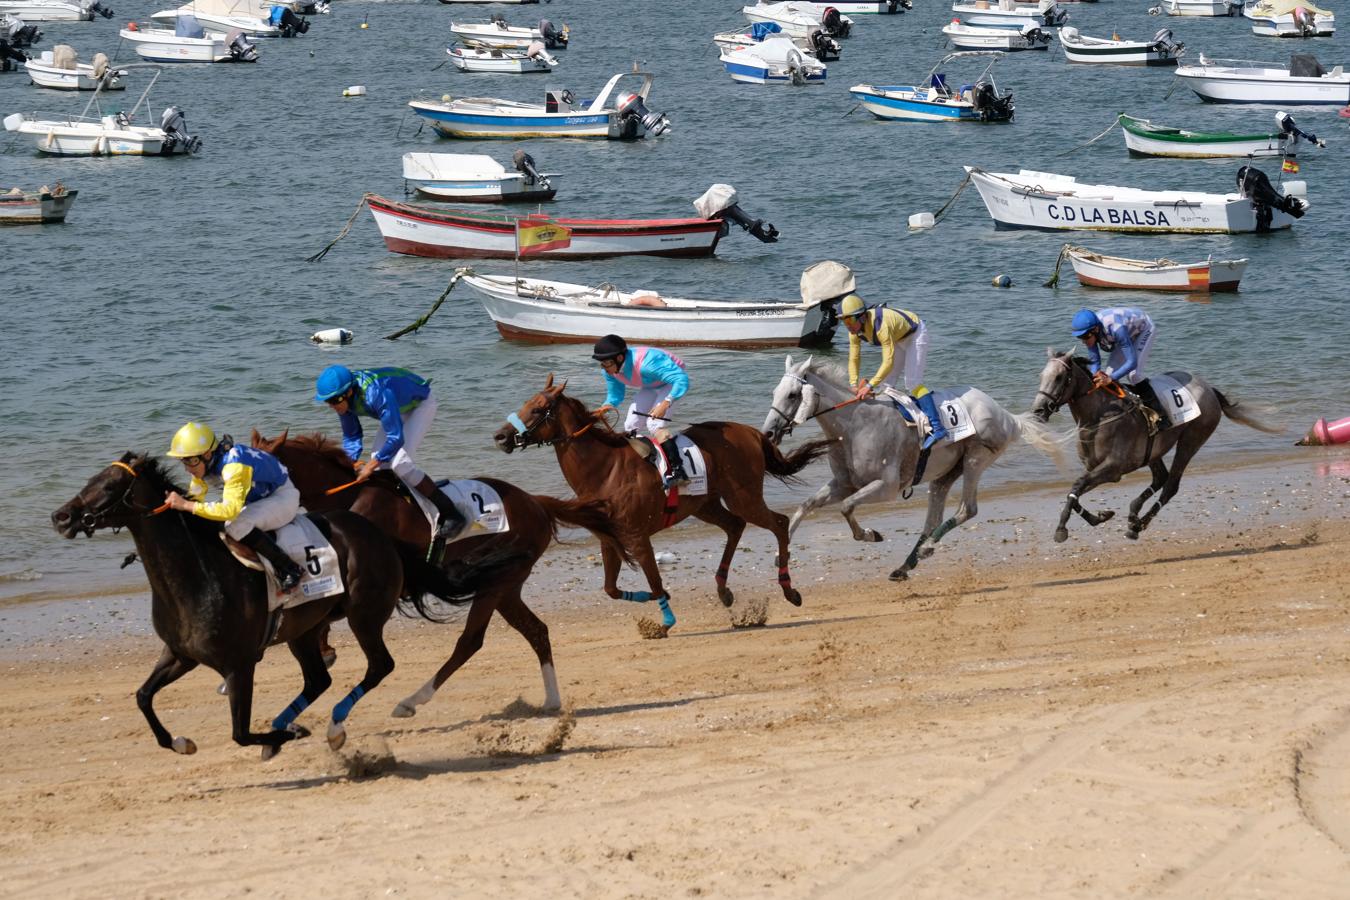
(898, 6)
(1287, 126)
(1253, 184)
(13, 29)
(241, 50)
(174, 126)
(1163, 43)
(834, 24)
(633, 114)
(1303, 21)
(987, 103)
(822, 45)
(11, 58)
(101, 10)
(524, 164)
(553, 38)
(284, 17)
(719, 202)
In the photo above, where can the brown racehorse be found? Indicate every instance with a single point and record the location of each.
(318, 465)
(600, 464)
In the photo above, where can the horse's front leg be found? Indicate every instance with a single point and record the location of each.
(870, 493)
(1136, 525)
(714, 513)
(1100, 474)
(167, 670)
(833, 492)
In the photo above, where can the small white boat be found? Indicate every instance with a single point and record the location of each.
(54, 10)
(1302, 83)
(108, 135)
(1201, 8)
(1143, 138)
(529, 309)
(475, 178)
(509, 37)
(187, 41)
(1099, 270)
(1046, 201)
(533, 58)
(775, 60)
(20, 207)
(60, 69)
(817, 43)
(620, 116)
(255, 18)
(1010, 14)
(1289, 18)
(933, 99)
(981, 37)
(868, 7)
(798, 19)
(1161, 51)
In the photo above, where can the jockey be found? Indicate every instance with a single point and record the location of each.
(892, 330)
(660, 379)
(1125, 333)
(402, 403)
(257, 495)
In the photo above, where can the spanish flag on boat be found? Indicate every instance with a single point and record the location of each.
(1290, 165)
(537, 234)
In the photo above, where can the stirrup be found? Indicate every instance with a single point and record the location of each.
(289, 581)
(675, 480)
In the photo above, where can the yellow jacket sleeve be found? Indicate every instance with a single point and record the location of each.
(854, 357)
(238, 479)
(197, 489)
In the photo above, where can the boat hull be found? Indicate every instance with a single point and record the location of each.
(499, 38)
(1264, 86)
(81, 78)
(486, 191)
(41, 12)
(510, 65)
(991, 16)
(1139, 54)
(1008, 39)
(35, 208)
(903, 103)
(483, 123)
(249, 25)
(418, 231)
(66, 140)
(1200, 8)
(1094, 270)
(1195, 145)
(170, 48)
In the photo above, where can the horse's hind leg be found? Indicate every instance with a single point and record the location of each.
(520, 617)
(1187, 447)
(168, 669)
(932, 532)
(470, 642)
(714, 513)
(1159, 469)
(756, 513)
(367, 620)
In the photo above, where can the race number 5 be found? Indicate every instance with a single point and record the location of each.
(312, 562)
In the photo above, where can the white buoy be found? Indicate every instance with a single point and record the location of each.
(356, 90)
(332, 336)
(920, 221)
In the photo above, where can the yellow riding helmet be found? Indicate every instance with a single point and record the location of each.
(193, 439)
(851, 306)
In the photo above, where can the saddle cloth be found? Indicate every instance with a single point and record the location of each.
(950, 406)
(1171, 398)
(695, 466)
(304, 543)
(478, 502)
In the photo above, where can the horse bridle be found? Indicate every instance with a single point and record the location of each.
(521, 439)
(91, 521)
(1056, 402)
(790, 421)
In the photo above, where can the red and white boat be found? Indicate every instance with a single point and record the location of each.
(1099, 270)
(490, 234)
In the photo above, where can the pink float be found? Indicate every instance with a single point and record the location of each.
(1324, 432)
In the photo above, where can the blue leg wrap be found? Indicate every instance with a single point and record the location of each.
(667, 617)
(636, 596)
(344, 708)
(283, 721)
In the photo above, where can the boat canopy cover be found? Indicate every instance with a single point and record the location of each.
(1305, 65)
(188, 27)
(760, 30)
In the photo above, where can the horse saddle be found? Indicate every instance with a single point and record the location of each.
(310, 549)
(477, 501)
(694, 464)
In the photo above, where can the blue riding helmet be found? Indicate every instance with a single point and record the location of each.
(1085, 320)
(334, 381)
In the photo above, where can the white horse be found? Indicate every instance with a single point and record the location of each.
(875, 450)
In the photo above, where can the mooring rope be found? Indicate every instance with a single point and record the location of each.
(1054, 279)
(1108, 130)
(459, 273)
(937, 216)
(345, 228)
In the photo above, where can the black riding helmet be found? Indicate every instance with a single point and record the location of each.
(611, 346)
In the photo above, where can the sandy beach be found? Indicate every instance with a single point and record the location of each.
(1100, 718)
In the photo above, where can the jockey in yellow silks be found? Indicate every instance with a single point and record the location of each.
(897, 332)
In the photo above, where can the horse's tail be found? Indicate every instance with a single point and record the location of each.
(592, 515)
(1044, 438)
(784, 468)
(459, 583)
(1239, 413)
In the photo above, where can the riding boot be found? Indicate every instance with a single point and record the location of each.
(287, 572)
(675, 474)
(450, 522)
(929, 407)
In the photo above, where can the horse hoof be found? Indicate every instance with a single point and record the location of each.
(926, 551)
(223, 688)
(793, 596)
(337, 735)
(1132, 535)
(874, 536)
(899, 575)
(184, 746)
(1106, 516)
(268, 752)
(726, 596)
(296, 731)
(404, 711)
(329, 657)
(1061, 535)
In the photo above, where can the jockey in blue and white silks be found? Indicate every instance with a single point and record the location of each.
(660, 379)
(1126, 334)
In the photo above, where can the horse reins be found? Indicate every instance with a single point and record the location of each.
(791, 421)
(94, 519)
(523, 430)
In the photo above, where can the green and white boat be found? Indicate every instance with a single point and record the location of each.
(1144, 138)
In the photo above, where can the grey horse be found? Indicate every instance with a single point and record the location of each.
(875, 451)
(1113, 437)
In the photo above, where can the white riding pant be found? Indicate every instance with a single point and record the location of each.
(911, 355)
(269, 513)
(416, 424)
(1117, 358)
(647, 398)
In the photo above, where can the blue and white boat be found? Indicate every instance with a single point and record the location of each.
(621, 116)
(933, 99)
(775, 60)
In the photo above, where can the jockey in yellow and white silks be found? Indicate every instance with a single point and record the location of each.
(660, 379)
(903, 339)
(256, 495)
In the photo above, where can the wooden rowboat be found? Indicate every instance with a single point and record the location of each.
(1144, 138)
(19, 207)
(1099, 270)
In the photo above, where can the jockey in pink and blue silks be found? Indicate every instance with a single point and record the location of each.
(660, 380)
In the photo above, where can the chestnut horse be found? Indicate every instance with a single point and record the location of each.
(209, 609)
(600, 464)
(318, 465)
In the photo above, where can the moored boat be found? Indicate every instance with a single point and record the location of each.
(54, 10)
(817, 43)
(255, 18)
(1199, 8)
(1144, 138)
(187, 41)
(1161, 51)
(977, 37)
(933, 100)
(1047, 201)
(1289, 18)
(60, 69)
(502, 36)
(1304, 82)
(775, 60)
(533, 58)
(1009, 14)
(476, 178)
(530, 309)
(20, 207)
(1100, 270)
(797, 19)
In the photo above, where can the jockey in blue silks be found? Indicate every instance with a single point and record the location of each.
(660, 379)
(1124, 333)
(401, 402)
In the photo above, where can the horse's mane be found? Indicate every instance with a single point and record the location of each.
(321, 445)
(151, 466)
(829, 371)
(602, 430)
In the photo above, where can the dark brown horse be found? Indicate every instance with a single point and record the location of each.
(318, 465)
(600, 464)
(208, 609)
